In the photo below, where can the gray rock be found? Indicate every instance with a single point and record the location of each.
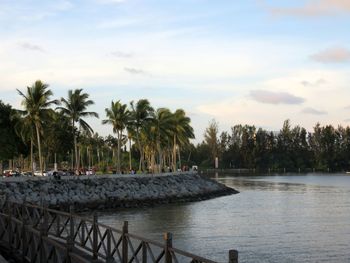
(99, 191)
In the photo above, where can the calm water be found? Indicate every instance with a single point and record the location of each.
(291, 218)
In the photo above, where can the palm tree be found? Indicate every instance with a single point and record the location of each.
(75, 109)
(140, 115)
(182, 132)
(118, 116)
(130, 135)
(162, 125)
(25, 128)
(36, 103)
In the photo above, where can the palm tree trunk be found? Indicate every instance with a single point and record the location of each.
(189, 156)
(39, 147)
(119, 138)
(55, 162)
(75, 149)
(178, 150)
(114, 157)
(130, 154)
(21, 160)
(31, 156)
(152, 161)
(76, 154)
(141, 164)
(81, 158)
(159, 155)
(88, 157)
(92, 156)
(169, 158)
(98, 157)
(174, 154)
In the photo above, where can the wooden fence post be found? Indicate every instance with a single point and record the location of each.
(43, 233)
(109, 257)
(94, 238)
(125, 242)
(71, 224)
(168, 237)
(144, 252)
(9, 226)
(233, 256)
(68, 250)
(82, 241)
(58, 225)
(70, 237)
(23, 237)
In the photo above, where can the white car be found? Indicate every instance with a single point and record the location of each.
(38, 173)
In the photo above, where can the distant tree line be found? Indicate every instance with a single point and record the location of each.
(291, 148)
(47, 131)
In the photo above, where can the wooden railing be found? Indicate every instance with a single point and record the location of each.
(34, 233)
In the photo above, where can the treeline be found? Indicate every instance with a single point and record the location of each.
(325, 148)
(47, 131)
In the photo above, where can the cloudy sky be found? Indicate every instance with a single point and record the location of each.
(240, 62)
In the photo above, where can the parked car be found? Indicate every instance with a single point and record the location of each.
(51, 173)
(27, 174)
(67, 173)
(38, 173)
(9, 173)
(90, 172)
(194, 168)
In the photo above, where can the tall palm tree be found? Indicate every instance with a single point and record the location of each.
(25, 128)
(118, 116)
(162, 125)
(182, 132)
(140, 115)
(36, 103)
(130, 135)
(148, 138)
(74, 107)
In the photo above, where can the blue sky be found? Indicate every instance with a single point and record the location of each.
(239, 62)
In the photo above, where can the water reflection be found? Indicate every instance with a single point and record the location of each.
(272, 219)
(244, 184)
(153, 220)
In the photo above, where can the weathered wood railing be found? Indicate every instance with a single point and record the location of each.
(39, 234)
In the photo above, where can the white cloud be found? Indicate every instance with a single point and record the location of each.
(30, 46)
(316, 83)
(271, 97)
(332, 55)
(314, 8)
(235, 108)
(135, 71)
(120, 54)
(313, 111)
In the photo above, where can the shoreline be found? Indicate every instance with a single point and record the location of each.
(110, 192)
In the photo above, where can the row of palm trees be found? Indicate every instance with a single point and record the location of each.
(157, 134)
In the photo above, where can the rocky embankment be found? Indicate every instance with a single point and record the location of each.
(104, 193)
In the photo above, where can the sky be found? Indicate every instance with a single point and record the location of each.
(239, 62)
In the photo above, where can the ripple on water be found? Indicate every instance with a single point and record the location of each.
(273, 219)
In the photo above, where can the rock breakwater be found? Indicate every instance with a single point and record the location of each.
(111, 192)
